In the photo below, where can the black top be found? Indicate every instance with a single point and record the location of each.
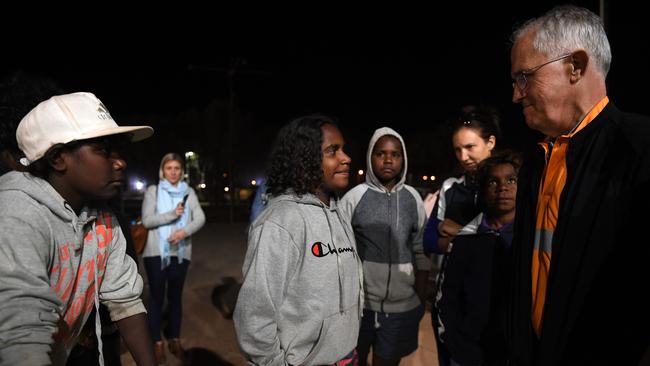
(597, 307)
(474, 299)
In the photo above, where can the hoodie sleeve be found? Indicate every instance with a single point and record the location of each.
(122, 285)
(271, 260)
(29, 311)
(197, 217)
(150, 219)
(422, 262)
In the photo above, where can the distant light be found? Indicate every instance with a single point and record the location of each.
(189, 154)
(424, 177)
(138, 185)
(433, 177)
(253, 182)
(225, 175)
(202, 186)
(360, 172)
(226, 189)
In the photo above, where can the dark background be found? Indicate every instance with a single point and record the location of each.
(405, 67)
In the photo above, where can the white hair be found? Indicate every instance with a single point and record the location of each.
(567, 28)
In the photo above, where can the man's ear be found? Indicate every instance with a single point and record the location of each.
(56, 159)
(579, 63)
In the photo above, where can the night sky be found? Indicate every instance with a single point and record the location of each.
(410, 69)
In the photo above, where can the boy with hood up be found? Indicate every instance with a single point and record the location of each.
(61, 250)
(388, 219)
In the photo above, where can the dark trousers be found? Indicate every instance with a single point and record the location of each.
(172, 277)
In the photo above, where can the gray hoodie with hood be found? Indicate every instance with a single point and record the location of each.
(388, 227)
(50, 262)
(301, 299)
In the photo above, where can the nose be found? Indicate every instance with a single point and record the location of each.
(503, 186)
(517, 94)
(345, 159)
(463, 155)
(119, 163)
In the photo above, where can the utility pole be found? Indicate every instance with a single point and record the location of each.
(234, 62)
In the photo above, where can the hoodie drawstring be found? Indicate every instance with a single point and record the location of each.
(98, 321)
(352, 241)
(338, 261)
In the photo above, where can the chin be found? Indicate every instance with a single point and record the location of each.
(506, 208)
(340, 184)
(535, 126)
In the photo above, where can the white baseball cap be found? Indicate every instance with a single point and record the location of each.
(65, 118)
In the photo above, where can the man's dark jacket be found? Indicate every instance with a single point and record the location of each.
(597, 308)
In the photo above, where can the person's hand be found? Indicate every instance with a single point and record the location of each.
(177, 236)
(449, 228)
(180, 209)
(429, 202)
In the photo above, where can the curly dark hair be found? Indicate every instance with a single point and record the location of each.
(296, 158)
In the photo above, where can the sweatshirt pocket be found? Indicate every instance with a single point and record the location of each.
(336, 337)
(303, 339)
(402, 282)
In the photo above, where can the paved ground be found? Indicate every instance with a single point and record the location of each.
(218, 255)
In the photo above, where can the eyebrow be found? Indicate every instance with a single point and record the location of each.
(386, 150)
(332, 146)
(467, 145)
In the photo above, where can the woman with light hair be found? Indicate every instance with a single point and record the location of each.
(172, 213)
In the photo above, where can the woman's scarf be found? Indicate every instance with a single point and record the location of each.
(169, 197)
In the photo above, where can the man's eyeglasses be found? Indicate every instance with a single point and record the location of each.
(521, 78)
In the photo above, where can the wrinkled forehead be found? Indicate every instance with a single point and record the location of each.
(523, 54)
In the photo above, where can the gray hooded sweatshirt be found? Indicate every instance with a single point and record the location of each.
(50, 263)
(301, 299)
(388, 226)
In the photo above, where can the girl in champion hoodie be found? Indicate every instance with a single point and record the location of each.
(301, 299)
(388, 220)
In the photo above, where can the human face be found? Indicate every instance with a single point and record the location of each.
(470, 148)
(501, 190)
(172, 171)
(94, 171)
(548, 97)
(336, 163)
(387, 160)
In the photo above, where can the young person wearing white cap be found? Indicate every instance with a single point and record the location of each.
(62, 252)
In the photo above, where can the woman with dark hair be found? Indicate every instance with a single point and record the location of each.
(474, 135)
(301, 299)
(172, 213)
